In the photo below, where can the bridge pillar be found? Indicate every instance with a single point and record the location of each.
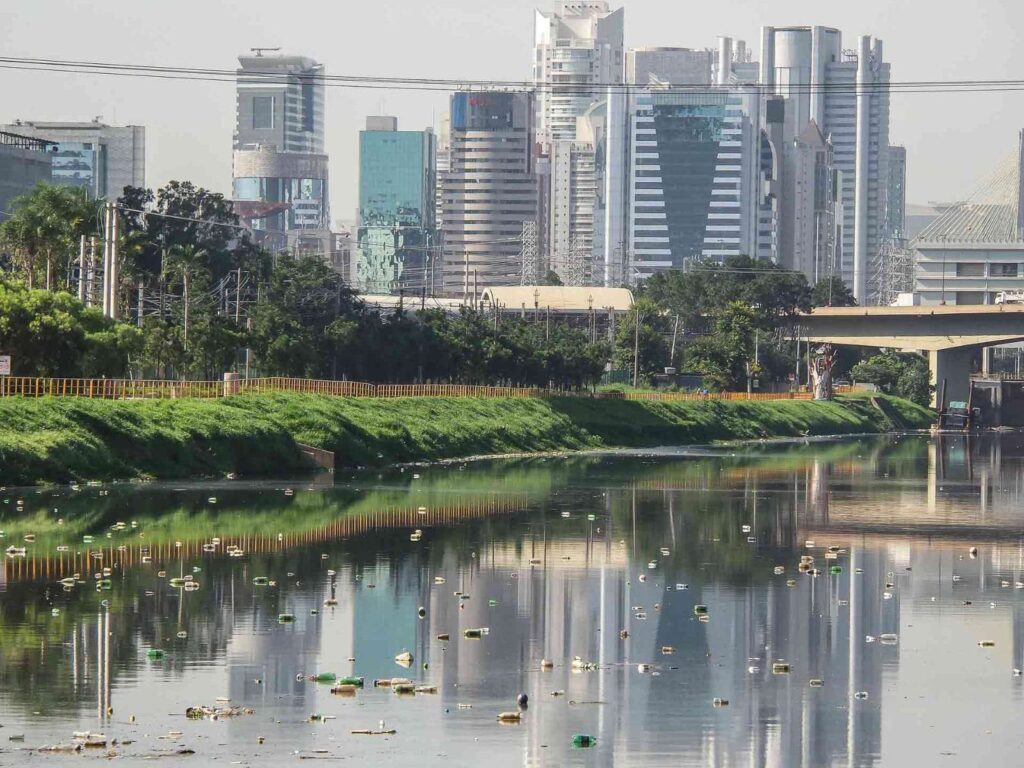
(955, 367)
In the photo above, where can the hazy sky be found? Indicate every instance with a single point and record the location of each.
(952, 140)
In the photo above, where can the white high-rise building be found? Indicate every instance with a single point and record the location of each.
(578, 46)
(682, 180)
(846, 94)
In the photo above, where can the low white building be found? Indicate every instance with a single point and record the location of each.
(974, 252)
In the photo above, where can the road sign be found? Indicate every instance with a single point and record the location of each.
(5, 365)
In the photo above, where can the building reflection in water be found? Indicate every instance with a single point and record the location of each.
(550, 582)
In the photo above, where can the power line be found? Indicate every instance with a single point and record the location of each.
(449, 84)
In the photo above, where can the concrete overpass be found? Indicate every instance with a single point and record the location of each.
(953, 336)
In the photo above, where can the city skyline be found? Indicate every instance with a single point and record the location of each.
(491, 43)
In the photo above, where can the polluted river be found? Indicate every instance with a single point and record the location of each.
(852, 602)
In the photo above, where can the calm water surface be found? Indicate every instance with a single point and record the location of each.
(557, 558)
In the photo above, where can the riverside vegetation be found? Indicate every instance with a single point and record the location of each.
(67, 439)
(726, 322)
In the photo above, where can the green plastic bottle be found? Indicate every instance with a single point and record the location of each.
(325, 677)
(356, 681)
(583, 740)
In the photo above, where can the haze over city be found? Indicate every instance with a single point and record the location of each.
(952, 140)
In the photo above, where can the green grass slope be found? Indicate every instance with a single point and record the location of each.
(54, 440)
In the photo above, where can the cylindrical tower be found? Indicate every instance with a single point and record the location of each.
(863, 160)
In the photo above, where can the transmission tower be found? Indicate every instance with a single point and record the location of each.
(576, 268)
(528, 255)
(892, 272)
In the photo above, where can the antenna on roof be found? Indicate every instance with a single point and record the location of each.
(259, 51)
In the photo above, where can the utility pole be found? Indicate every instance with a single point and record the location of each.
(675, 335)
(91, 277)
(636, 350)
(81, 269)
(238, 296)
(115, 226)
(106, 259)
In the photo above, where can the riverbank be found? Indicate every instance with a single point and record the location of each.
(64, 439)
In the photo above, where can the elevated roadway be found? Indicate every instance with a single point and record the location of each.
(953, 336)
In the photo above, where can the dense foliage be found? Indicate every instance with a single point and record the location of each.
(735, 321)
(184, 248)
(905, 375)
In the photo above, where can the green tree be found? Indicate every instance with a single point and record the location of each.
(52, 334)
(650, 339)
(831, 291)
(186, 262)
(905, 375)
(726, 356)
(551, 278)
(776, 295)
(43, 232)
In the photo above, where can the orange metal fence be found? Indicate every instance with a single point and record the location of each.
(128, 389)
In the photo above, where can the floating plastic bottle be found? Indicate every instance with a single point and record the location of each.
(583, 741)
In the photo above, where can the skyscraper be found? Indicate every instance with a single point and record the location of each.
(578, 46)
(896, 200)
(396, 232)
(280, 169)
(490, 189)
(102, 159)
(676, 66)
(694, 174)
(846, 94)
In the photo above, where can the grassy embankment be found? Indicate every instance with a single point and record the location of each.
(52, 440)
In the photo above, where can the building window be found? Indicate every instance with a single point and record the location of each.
(970, 297)
(1003, 270)
(263, 113)
(970, 270)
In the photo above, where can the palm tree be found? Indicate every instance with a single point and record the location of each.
(185, 261)
(47, 222)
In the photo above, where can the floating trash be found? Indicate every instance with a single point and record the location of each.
(404, 659)
(154, 654)
(780, 668)
(583, 741)
(700, 610)
(816, 683)
(861, 695)
(510, 717)
(986, 643)
(475, 634)
(889, 639)
(719, 703)
(286, 618)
